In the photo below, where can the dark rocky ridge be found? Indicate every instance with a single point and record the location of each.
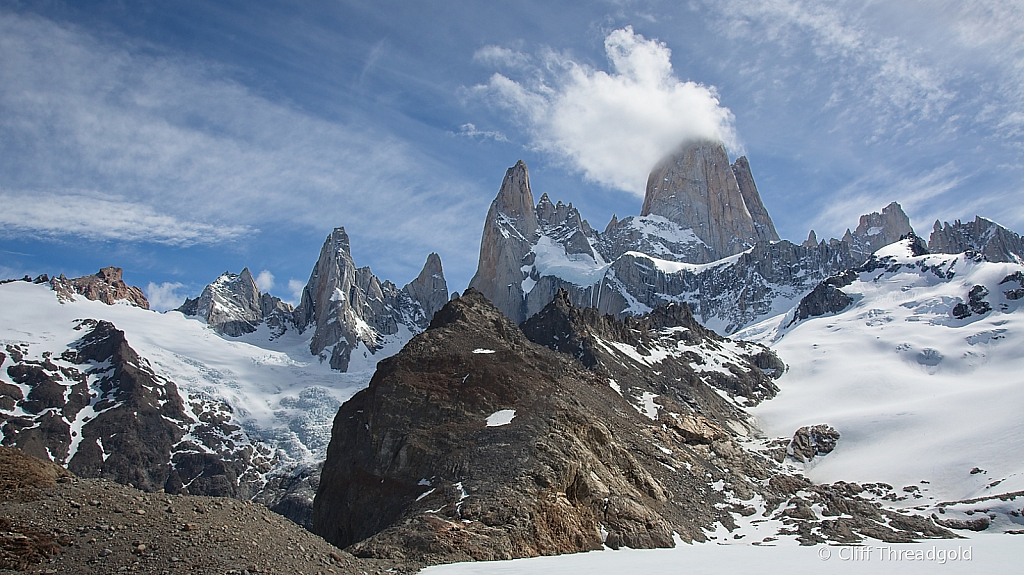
(415, 473)
(100, 410)
(668, 350)
(984, 236)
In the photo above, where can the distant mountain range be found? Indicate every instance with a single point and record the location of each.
(630, 414)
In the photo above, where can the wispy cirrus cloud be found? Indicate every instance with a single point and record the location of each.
(170, 151)
(101, 217)
(610, 126)
(469, 131)
(870, 193)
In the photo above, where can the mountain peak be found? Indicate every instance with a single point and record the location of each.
(877, 230)
(429, 289)
(984, 236)
(696, 188)
(515, 200)
(339, 241)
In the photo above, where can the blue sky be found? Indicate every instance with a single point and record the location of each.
(181, 139)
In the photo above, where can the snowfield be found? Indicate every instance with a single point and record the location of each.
(280, 393)
(919, 397)
(987, 553)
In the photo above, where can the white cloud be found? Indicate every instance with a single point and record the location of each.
(492, 55)
(265, 281)
(613, 127)
(164, 296)
(99, 217)
(295, 287)
(470, 131)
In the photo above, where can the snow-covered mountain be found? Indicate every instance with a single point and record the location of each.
(703, 238)
(349, 310)
(232, 394)
(919, 369)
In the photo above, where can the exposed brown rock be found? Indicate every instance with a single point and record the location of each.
(697, 188)
(105, 286)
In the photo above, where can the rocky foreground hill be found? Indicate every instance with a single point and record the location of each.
(54, 522)
(476, 443)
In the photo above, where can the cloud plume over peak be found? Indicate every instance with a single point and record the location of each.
(611, 126)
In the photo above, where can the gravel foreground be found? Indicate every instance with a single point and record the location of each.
(52, 522)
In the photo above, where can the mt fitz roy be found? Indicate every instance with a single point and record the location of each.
(633, 417)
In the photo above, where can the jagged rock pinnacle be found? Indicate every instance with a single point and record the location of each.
(697, 188)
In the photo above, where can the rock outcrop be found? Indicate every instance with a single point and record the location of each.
(105, 286)
(812, 441)
(877, 230)
(475, 443)
(233, 305)
(825, 298)
(349, 307)
(99, 409)
(983, 236)
(415, 469)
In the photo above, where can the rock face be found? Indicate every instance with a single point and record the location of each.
(233, 305)
(762, 221)
(986, 237)
(100, 410)
(349, 307)
(877, 230)
(811, 441)
(665, 354)
(826, 297)
(475, 443)
(508, 237)
(105, 286)
(697, 189)
(698, 210)
(429, 289)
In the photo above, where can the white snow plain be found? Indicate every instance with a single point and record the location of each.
(987, 553)
(281, 394)
(919, 397)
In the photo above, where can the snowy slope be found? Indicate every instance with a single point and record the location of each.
(281, 395)
(920, 396)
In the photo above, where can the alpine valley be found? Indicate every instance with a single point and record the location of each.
(684, 375)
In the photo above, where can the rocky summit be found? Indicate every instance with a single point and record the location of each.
(476, 443)
(350, 308)
(105, 286)
(698, 189)
(233, 305)
(703, 237)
